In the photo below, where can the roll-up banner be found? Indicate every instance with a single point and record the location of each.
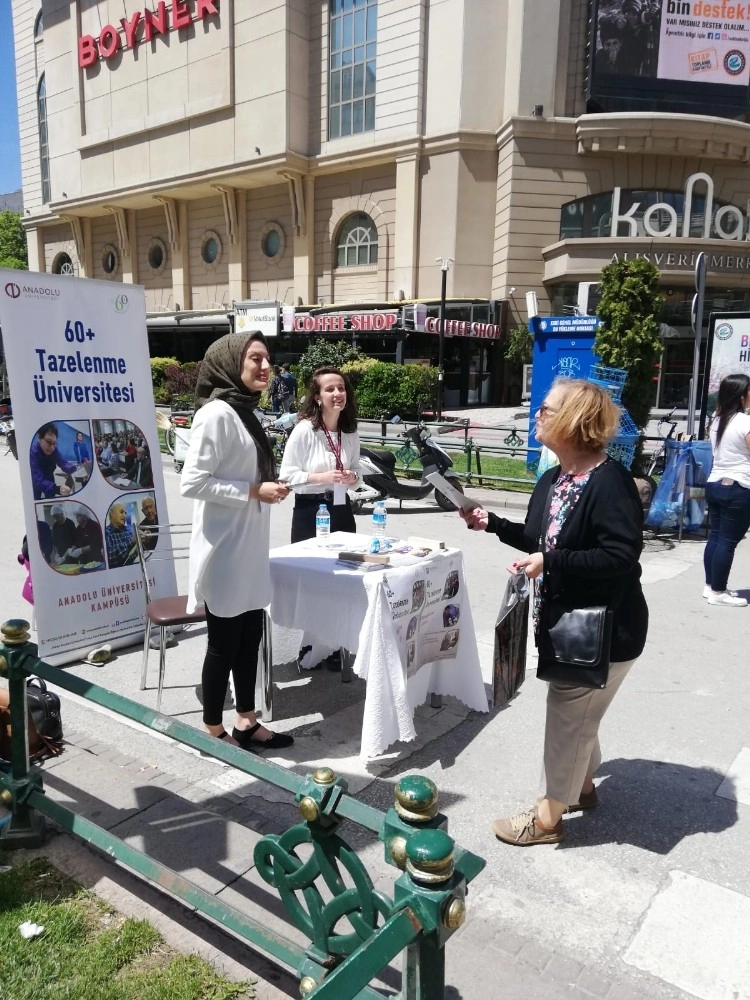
(729, 336)
(88, 451)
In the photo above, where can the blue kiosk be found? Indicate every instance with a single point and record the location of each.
(563, 346)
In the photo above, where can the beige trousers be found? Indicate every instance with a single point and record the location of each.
(571, 735)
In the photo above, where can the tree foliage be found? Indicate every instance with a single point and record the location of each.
(323, 352)
(629, 335)
(519, 347)
(13, 251)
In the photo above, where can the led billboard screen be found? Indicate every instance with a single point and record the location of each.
(671, 55)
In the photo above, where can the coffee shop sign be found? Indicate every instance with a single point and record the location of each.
(661, 219)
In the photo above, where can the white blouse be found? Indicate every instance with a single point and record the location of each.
(229, 569)
(307, 450)
(732, 456)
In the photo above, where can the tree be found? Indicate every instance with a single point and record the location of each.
(13, 251)
(629, 335)
(323, 352)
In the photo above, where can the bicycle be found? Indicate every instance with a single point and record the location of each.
(647, 483)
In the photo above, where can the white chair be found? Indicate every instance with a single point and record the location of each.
(161, 612)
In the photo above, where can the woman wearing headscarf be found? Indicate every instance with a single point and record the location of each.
(229, 472)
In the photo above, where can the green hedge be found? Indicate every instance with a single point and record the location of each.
(390, 389)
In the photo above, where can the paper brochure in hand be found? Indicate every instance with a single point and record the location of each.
(442, 485)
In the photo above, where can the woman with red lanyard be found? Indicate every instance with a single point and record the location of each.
(321, 457)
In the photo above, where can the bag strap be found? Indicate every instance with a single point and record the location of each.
(37, 682)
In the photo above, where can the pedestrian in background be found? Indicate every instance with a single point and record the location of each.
(290, 382)
(583, 534)
(229, 472)
(728, 488)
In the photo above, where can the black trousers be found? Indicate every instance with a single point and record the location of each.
(233, 645)
(305, 509)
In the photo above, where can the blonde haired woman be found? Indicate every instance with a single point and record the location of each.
(582, 537)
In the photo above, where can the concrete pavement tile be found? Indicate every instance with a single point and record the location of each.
(82, 782)
(628, 991)
(535, 955)
(708, 957)
(563, 970)
(114, 757)
(507, 941)
(80, 740)
(206, 848)
(736, 784)
(593, 983)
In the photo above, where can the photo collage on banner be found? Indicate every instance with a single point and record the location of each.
(426, 610)
(89, 455)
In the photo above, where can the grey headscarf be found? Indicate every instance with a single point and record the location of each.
(219, 378)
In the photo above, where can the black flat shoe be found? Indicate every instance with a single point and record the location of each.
(300, 657)
(277, 741)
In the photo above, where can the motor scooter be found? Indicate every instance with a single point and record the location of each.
(378, 470)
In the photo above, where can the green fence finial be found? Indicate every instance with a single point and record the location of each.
(429, 857)
(416, 799)
(15, 632)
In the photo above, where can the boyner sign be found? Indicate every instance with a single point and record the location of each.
(142, 26)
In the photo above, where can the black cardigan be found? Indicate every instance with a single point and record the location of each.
(596, 557)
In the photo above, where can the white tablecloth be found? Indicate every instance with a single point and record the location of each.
(410, 623)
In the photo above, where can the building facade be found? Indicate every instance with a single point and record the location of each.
(328, 154)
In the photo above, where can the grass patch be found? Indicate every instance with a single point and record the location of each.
(89, 951)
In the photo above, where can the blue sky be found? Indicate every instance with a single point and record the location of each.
(10, 157)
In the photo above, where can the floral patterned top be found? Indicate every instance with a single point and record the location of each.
(565, 495)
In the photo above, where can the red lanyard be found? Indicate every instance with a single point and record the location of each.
(335, 448)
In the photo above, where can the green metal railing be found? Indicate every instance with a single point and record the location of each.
(428, 902)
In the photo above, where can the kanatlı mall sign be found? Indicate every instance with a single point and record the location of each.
(143, 26)
(661, 219)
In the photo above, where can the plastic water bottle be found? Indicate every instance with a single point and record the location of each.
(379, 519)
(322, 522)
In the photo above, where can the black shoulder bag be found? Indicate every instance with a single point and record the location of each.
(574, 643)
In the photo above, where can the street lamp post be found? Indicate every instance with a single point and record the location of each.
(445, 263)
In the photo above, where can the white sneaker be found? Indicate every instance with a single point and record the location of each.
(707, 592)
(728, 599)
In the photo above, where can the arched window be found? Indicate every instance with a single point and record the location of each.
(62, 264)
(38, 27)
(41, 111)
(357, 241)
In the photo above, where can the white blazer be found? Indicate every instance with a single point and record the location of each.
(229, 569)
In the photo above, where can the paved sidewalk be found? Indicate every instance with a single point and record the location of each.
(648, 896)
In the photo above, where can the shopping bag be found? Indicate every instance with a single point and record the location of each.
(511, 633)
(679, 501)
